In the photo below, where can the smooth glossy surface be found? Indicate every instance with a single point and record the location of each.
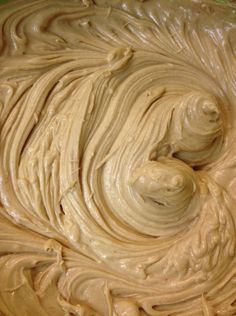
(117, 158)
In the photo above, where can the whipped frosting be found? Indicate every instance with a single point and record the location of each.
(117, 158)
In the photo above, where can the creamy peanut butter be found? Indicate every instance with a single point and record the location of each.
(117, 158)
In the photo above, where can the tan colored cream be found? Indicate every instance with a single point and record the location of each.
(117, 158)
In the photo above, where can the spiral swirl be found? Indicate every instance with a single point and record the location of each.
(168, 187)
(117, 159)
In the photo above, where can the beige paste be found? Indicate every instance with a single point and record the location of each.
(117, 158)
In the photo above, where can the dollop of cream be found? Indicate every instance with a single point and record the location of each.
(167, 189)
(117, 158)
(196, 135)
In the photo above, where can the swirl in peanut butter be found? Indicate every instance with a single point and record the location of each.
(117, 158)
